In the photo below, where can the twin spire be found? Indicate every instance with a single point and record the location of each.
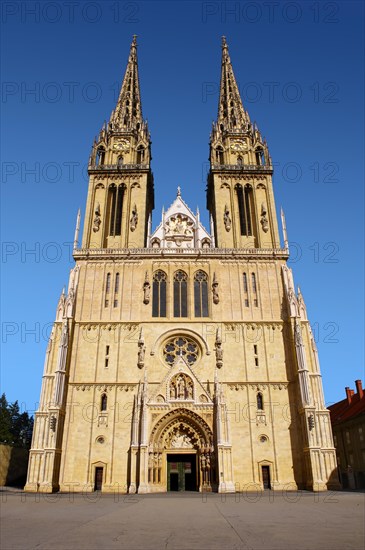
(127, 115)
(231, 114)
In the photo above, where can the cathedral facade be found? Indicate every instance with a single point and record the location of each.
(181, 358)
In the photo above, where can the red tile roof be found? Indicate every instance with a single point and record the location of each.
(348, 408)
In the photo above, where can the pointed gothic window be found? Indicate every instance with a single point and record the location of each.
(140, 154)
(245, 289)
(103, 402)
(120, 161)
(115, 209)
(254, 289)
(260, 402)
(116, 290)
(180, 294)
(100, 156)
(107, 289)
(219, 155)
(260, 157)
(159, 294)
(201, 294)
(244, 196)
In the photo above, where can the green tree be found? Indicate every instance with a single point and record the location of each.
(15, 427)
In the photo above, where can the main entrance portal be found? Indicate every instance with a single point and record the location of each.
(181, 472)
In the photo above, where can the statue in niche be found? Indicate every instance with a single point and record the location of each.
(97, 218)
(264, 222)
(298, 335)
(146, 290)
(227, 219)
(181, 388)
(134, 218)
(218, 350)
(215, 290)
(172, 391)
(141, 350)
(190, 391)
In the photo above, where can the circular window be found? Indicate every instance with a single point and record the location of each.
(183, 346)
(100, 440)
(263, 438)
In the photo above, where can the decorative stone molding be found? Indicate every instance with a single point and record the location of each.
(259, 386)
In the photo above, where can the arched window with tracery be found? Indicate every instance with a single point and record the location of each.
(201, 294)
(244, 196)
(159, 294)
(180, 294)
(115, 208)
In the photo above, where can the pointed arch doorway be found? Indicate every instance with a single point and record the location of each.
(181, 453)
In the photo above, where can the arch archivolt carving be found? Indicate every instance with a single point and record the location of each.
(181, 428)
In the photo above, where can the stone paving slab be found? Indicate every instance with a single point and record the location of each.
(179, 521)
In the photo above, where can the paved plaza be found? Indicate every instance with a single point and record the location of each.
(294, 520)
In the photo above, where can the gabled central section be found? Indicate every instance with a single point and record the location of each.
(180, 228)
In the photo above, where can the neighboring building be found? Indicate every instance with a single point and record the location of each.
(181, 358)
(348, 425)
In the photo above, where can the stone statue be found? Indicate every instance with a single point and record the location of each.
(215, 290)
(146, 290)
(227, 219)
(264, 222)
(134, 218)
(181, 388)
(97, 218)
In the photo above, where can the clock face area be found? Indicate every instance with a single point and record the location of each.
(121, 145)
(239, 145)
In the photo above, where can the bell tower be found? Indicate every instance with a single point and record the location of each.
(240, 194)
(120, 195)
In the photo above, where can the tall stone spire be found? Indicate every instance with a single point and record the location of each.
(231, 113)
(127, 114)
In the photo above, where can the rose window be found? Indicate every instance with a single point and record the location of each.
(180, 346)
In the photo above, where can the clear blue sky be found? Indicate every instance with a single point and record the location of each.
(300, 70)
